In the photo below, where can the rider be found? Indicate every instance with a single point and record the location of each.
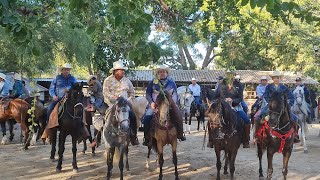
(237, 79)
(117, 85)
(59, 85)
(219, 80)
(95, 91)
(232, 92)
(167, 84)
(277, 86)
(17, 90)
(196, 90)
(261, 88)
(4, 88)
(306, 94)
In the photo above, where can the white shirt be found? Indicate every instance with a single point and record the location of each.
(195, 89)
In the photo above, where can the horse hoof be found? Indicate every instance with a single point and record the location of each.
(52, 159)
(226, 172)
(93, 154)
(75, 170)
(83, 152)
(306, 151)
(58, 170)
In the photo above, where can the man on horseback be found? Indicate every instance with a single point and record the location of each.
(244, 105)
(196, 90)
(261, 88)
(231, 91)
(306, 95)
(59, 86)
(17, 90)
(160, 83)
(95, 91)
(4, 90)
(117, 85)
(277, 86)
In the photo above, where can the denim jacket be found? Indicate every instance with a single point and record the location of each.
(154, 86)
(59, 84)
(281, 88)
(17, 89)
(4, 89)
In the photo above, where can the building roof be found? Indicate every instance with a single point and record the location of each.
(50, 79)
(210, 76)
(36, 88)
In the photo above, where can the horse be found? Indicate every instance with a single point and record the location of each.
(139, 105)
(17, 110)
(185, 100)
(11, 123)
(116, 135)
(223, 129)
(276, 133)
(163, 131)
(70, 123)
(300, 108)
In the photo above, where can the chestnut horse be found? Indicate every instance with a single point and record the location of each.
(17, 110)
(164, 132)
(276, 134)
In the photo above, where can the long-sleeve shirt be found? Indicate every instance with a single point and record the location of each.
(96, 90)
(112, 87)
(154, 87)
(17, 89)
(4, 89)
(235, 93)
(280, 88)
(60, 84)
(260, 90)
(195, 89)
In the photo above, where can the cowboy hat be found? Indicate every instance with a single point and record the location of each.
(91, 77)
(276, 74)
(17, 76)
(2, 76)
(161, 67)
(65, 66)
(298, 79)
(264, 78)
(117, 65)
(237, 77)
(193, 79)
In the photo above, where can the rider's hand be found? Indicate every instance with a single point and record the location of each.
(153, 106)
(228, 99)
(55, 98)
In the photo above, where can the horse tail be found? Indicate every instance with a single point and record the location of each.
(154, 145)
(116, 156)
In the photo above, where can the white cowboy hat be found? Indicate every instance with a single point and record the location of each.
(17, 76)
(162, 67)
(90, 77)
(237, 77)
(264, 78)
(193, 79)
(2, 76)
(276, 74)
(65, 66)
(118, 65)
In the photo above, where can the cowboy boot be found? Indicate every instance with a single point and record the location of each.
(246, 136)
(210, 142)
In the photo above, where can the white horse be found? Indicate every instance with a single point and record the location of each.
(300, 108)
(139, 105)
(185, 100)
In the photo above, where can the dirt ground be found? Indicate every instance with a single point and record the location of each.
(194, 163)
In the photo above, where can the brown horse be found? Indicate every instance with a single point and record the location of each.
(276, 134)
(164, 131)
(17, 110)
(224, 131)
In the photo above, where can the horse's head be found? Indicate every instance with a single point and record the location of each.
(164, 101)
(299, 95)
(214, 112)
(121, 113)
(186, 100)
(75, 93)
(278, 108)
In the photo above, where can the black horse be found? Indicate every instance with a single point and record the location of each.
(11, 123)
(224, 134)
(199, 115)
(70, 123)
(276, 134)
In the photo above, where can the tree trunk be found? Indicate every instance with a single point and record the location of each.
(183, 61)
(189, 58)
(207, 58)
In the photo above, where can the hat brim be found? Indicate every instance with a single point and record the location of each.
(113, 69)
(158, 69)
(276, 75)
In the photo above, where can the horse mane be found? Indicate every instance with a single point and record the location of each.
(279, 98)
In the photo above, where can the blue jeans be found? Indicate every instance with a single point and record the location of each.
(264, 110)
(51, 107)
(243, 116)
(98, 103)
(244, 106)
(197, 100)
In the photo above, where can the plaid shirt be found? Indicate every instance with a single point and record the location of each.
(112, 87)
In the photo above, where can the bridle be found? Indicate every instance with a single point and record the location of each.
(116, 122)
(279, 114)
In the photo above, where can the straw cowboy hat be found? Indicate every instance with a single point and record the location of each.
(117, 65)
(162, 67)
(2, 76)
(65, 66)
(237, 77)
(17, 76)
(276, 74)
(263, 78)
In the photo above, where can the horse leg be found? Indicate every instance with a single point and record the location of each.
(198, 119)
(121, 151)
(27, 141)
(175, 159)
(218, 164)
(148, 157)
(185, 122)
(53, 144)
(232, 159)
(4, 133)
(260, 154)
(227, 161)
(62, 139)
(303, 135)
(189, 125)
(270, 168)
(11, 125)
(127, 158)
(85, 141)
(74, 153)
(286, 157)
(110, 161)
(161, 160)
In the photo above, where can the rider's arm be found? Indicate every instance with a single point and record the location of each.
(267, 94)
(290, 97)
(106, 91)
(131, 90)
(72, 80)
(52, 89)
(174, 93)
(5, 90)
(149, 92)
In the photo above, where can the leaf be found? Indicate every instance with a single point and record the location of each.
(4, 3)
(261, 3)
(285, 6)
(35, 51)
(253, 4)
(244, 2)
(116, 11)
(91, 29)
(118, 20)
(270, 4)
(148, 17)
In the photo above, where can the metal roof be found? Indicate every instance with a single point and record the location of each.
(210, 76)
(36, 88)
